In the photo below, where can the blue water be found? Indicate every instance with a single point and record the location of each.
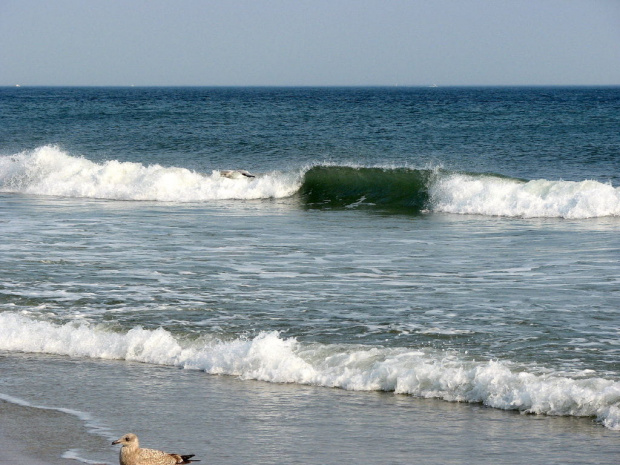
(455, 244)
(525, 133)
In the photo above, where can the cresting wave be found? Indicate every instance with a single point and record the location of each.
(50, 171)
(494, 196)
(268, 357)
(411, 190)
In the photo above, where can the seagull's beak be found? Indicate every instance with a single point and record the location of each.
(118, 441)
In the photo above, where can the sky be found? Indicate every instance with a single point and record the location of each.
(309, 42)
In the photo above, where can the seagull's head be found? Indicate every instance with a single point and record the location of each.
(129, 440)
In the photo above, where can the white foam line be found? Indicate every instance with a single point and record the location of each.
(50, 171)
(493, 196)
(84, 417)
(73, 454)
(267, 357)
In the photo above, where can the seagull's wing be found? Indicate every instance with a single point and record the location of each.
(157, 457)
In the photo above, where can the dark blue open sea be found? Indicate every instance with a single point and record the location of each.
(408, 276)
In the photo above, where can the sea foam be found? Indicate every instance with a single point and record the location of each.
(48, 170)
(495, 196)
(269, 357)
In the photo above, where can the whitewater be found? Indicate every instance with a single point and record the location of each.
(268, 357)
(50, 171)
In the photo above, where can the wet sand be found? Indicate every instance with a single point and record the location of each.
(30, 436)
(13, 452)
(37, 436)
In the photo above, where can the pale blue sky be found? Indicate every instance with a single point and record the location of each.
(310, 42)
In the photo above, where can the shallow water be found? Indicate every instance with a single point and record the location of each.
(226, 420)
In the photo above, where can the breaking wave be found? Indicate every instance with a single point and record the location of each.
(401, 189)
(50, 171)
(495, 196)
(269, 357)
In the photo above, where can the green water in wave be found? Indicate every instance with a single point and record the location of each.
(394, 189)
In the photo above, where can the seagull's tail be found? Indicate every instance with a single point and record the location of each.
(186, 459)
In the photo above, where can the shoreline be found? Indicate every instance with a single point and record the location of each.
(49, 434)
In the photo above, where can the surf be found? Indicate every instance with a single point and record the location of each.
(424, 373)
(468, 194)
(50, 171)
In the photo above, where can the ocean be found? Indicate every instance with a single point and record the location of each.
(407, 275)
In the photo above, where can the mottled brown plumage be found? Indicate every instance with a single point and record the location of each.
(132, 454)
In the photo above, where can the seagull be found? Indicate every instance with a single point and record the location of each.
(132, 454)
(236, 174)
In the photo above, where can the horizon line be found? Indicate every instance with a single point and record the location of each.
(308, 86)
